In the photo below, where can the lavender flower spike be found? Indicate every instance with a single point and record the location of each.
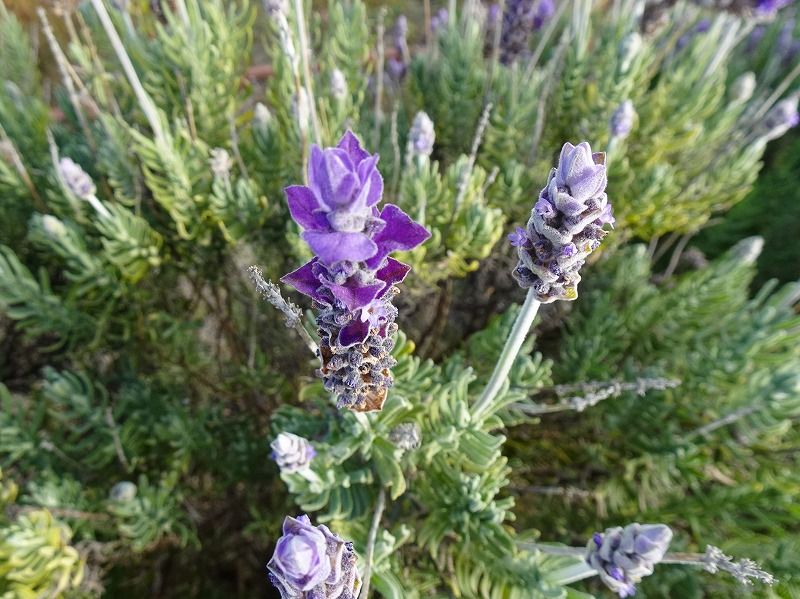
(781, 117)
(565, 226)
(520, 19)
(76, 179)
(311, 562)
(421, 136)
(621, 121)
(292, 453)
(623, 556)
(351, 278)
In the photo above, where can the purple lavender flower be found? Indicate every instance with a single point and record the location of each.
(292, 453)
(758, 8)
(351, 278)
(439, 20)
(518, 238)
(518, 24)
(397, 65)
(565, 226)
(621, 121)
(421, 136)
(76, 179)
(311, 562)
(781, 117)
(545, 9)
(623, 556)
(770, 7)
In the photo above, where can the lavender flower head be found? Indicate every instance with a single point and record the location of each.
(292, 453)
(351, 278)
(545, 9)
(76, 179)
(517, 27)
(520, 19)
(439, 20)
(781, 117)
(623, 556)
(311, 562)
(565, 226)
(422, 136)
(621, 121)
(397, 65)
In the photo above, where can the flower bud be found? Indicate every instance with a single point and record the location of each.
(621, 121)
(292, 453)
(52, 226)
(623, 556)
(301, 110)
(338, 85)
(439, 20)
(123, 491)
(220, 163)
(629, 48)
(422, 136)
(76, 179)
(311, 562)
(743, 87)
(781, 117)
(406, 436)
(262, 116)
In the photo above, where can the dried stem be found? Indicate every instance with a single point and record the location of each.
(61, 62)
(305, 60)
(463, 180)
(378, 116)
(292, 314)
(145, 101)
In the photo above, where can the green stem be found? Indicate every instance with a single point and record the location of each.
(380, 504)
(513, 344)
(569, 574)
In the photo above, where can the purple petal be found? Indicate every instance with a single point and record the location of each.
(336, 246)
(352, 146)
(371, 180)
(394, 272)
(356, 331)
(331, 176)
(588, 183)
(304, 280)
(305, 209)
(355, 295)
(518, 238)
(400, 233)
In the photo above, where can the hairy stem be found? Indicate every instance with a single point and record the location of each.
(513, 344)
(380, 504)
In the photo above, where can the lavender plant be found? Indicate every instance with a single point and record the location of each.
(145, 388)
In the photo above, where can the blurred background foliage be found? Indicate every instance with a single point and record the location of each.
(142, 380)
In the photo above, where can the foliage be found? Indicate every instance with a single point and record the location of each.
(143, 380)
